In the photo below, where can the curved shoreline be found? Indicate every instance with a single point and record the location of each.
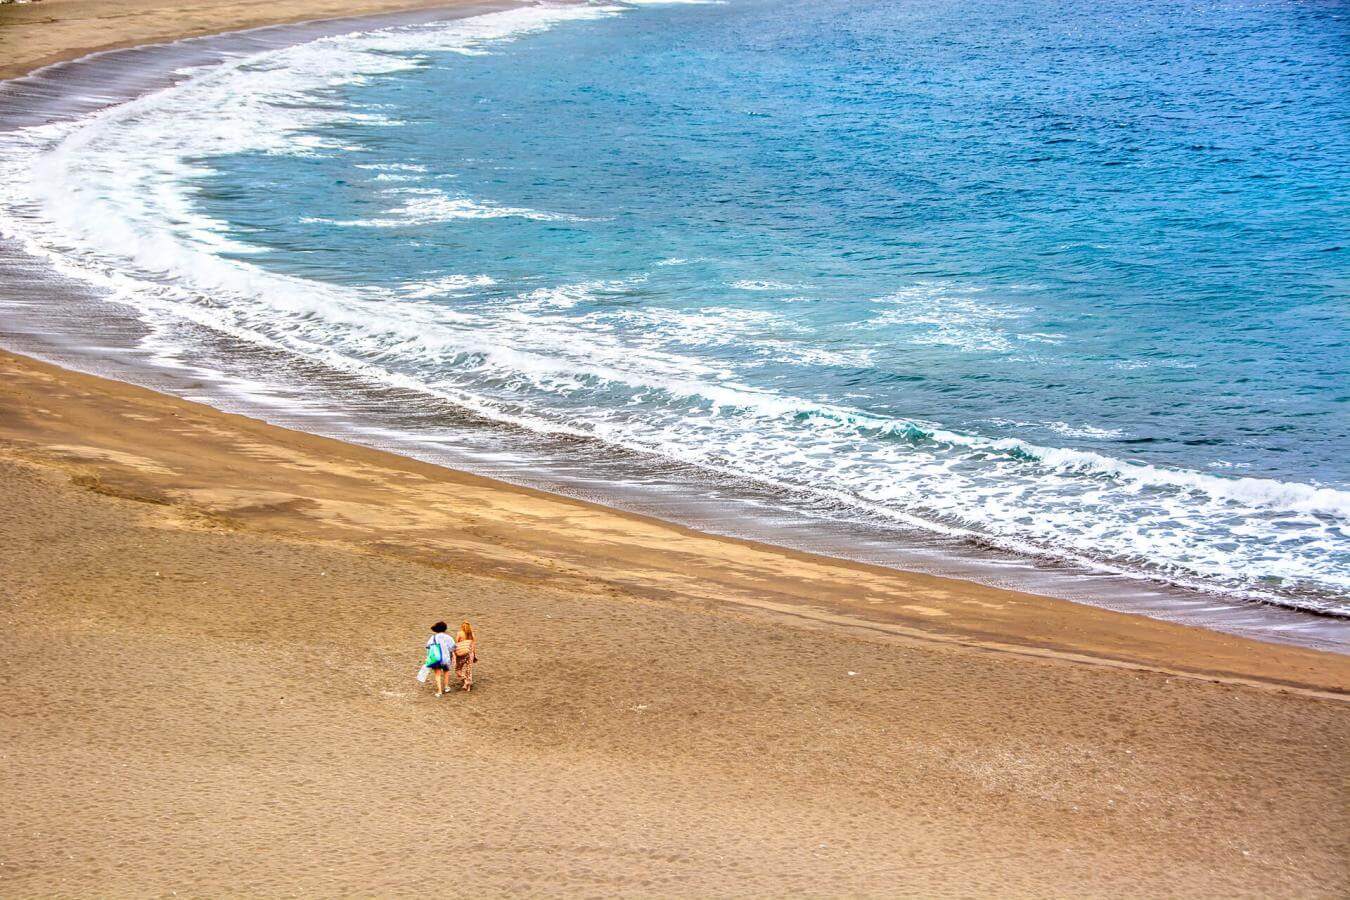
(202, 470)
(740, 719)
(81, 31)
(103, 79)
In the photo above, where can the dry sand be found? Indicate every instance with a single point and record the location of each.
(211, 627)
(41, 33)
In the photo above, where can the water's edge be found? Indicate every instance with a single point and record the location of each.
(53, 318)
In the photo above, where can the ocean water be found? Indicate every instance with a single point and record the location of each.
(1064, 280)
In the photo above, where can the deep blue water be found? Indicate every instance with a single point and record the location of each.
(1067, 277)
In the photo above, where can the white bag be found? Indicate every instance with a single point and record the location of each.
(422, 674)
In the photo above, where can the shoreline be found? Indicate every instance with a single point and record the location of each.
(203, 559)
(852, 728)
(76, 333)
(80, 31)
(1103, 651)
(641, 555)
(874, 543)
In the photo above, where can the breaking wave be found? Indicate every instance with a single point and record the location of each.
(111, 199)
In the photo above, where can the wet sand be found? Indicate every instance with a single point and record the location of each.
(212, 624)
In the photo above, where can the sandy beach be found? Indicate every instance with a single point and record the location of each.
(39, 34)
(658, 712)
(212, 626)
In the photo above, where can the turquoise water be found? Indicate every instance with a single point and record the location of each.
(1065, 280)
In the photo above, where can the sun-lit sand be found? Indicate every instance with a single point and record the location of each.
(48, 31)
(211, 628)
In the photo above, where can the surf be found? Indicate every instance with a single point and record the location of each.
(656, 355)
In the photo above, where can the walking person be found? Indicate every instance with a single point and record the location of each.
(440, 653)
(466, 654)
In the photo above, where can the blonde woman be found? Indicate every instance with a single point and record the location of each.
(466, 654)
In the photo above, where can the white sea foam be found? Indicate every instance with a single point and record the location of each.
(429, 206)
(446, 284)
(965, 319)
(392, 167)
(806, 353)
(565, 296)
(111, 200)
(750, 284)
(1085, 431)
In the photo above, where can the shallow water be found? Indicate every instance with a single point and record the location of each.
(1032, 278)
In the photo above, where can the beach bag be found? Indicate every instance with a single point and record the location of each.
(422, 674)
(433, 654)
